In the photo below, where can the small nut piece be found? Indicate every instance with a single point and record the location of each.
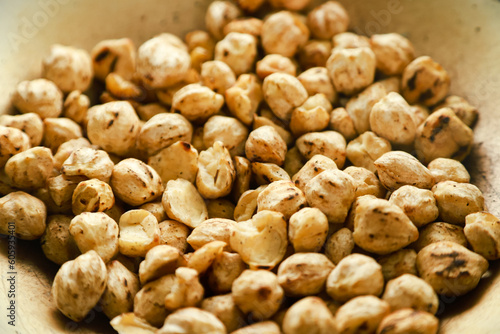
(284, 33)
(31, 124)
(418, 204)
(309, 315)
(92, 196)
(244, 97)
(261, 241)
(275, 63)
(192, 320)
(224, 308)
(79, 284)
(408, 321)
(313, 115)
(129, 323)
(339, 245)
(90, 163)
(218, 15)
(30, 169)
(398, 263)
(316, 81)
(457, 200)
(444, 169)
(114, 56)
(225, 268)
(58, 131)
(341, 122)
(57, 243)
(217, 76)
(425, 81)
(247, 204)
(462, 108)
(179, 160)
(316, 165)
(265, 173)
(215, 172)
(69, 68)
(482, 230)
(156, 208)
(351, 70)
(204, 256)
(149, 302)
(220, 208)
(160, 261)
(439, 231)
(237, 50)
(355, 275)
(327, 20)
(174, 234)
(39, 96)
(196, 102)
(65, 150)
(307, 230)
(315, 53)
(243, 177)
(359, 107)
(265, 145)
(283, 92)
(283, 197)
(451, 269)
(76, 106)
(27, 212)
(361, 315)
(139, 232)
(366, 182)
(184, 203)
(393, 51)
(257, 293)
(328, 143)
(186, 291)
(411, 291)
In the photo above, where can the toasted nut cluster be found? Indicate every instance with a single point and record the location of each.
(482, 230)
(57, 243)
(418, 204)
(457, 200)
(307, 315)
(284, 33)
(361, 315)
(307, 230)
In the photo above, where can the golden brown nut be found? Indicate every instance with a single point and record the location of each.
(149, 302)
(457, 200)
(466, 112)
(439, 231)
(409, 291)
(156, 208)
(31, 124)
(393, 51)
(315, 53)
(265, 145)
(244, 97)
(482, 231)
(398, 263)
(307, 230)
(365, 182)
(160, 261)
(225, 268)
(218, 15)
(139, 232)
(196, 102)
(186, 291)
(224, 308)
(408, 321)
(283, 197)
(57, 243)
(418, 204)
(114, 56)
(123, 89)
(275, 63)
(283, 92)
(444, 169)
(451, 269)
(328, 143)
(361, 315)
(260, 121)
(192, 320)
(316, 81)
(284, 33)
(309, 315)
(92, 196)
(359, 107)
(174, 234)
(212, 230)
(316, 165)
(327, 20)
(76, 106)
(215, 172)
(30, 169)
(179, 160)
(339, 245)
(90, 163)
(38, 96)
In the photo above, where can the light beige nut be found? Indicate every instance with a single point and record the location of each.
(341, 122)
(218, 15)
(156, 208)
(268, 327)
(174, 234)
(192, 320)
(220, 208)
(95, 231)
(149, 302)
(418, 204)
(295, 5)
(257, 293)
(12, 142)
(265, 145)
(78, 285)
(196, 102)
(275, 63)
(215, 172)
(212, 230)
(57, 243)
(316, 81)
(139, 232)
(408, 321)
(359, 107)
(244, 97)
(339, 245)
(58, 131)
(30, 169)
(381, 227)
(355, 275)
(316, 165)
(66, 148)
(361, 315)
(350, 40)
(393, 84)
(294, 161)
(224, 308)
(262, 240)
(184, 203)
(457, 200)
(39, 96)
(327, 20)
(247, 204)
(217, 76)
(443, 135)
(162, 61)
(398, 263)
(392, 119)
(462, 108)
(260, 121)
(283, 197)
(69, 68)
(328, 143)
(451, 269)
(304, 274)
(204, 256)
(225, 268)
(92, 196)
(160, 261)
(90, 163)
(123, 89)
(61, 188)
(313, 115)
(333, 192)
(283, 92)
(243, 177)
(129, 323)
(307, 230)
(265, 173)
(148, 111)
(309, 315)
(114, 56)
(440, 231)
(284, 33)
(482, 231)
(238, 51)
(228, 130)
(166, 95)
(393, 51)
(425, 81)
(186, 291)
(179, 160)
(248, 25)
(28, 212)
(351, 70)
(250, 5)
(315, 53)
(31, 124)
(410, 291)
(365, 182)
(444, 169)
(397, 168)
(75, 106)
(121, 287)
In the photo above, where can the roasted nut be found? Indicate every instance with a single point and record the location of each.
(244, 97)
(398, 263)
(418, 204)
(393, 84)
(316, 165)
(408, 321)
(327, 20)
(381, 227)
(361, 315)
(265, 173)
(339, 245)
(313, 115)
(28, 213)
(397, 168)
(309, 315)
(31, 124)
(444, 169)
(457, 200)
(215, 172)
(316, 81)
(174, 234)
(283, 92)
(114, 56)
(350, 40)
(307, 230)
(160, 261)
(268, 327)
(265, 145)
(122, 89)
(179, 160)
(186, 291)
(224, 308)
(466, 112)
(410, 291)
(283, 197)
(69, 68)
(451, 269)
(184, 203)
(284, 33)
(12, 142)
(121, 287)
(148, 111)
(204, 256)
(218, 15)
(341, 122)
(351, 70)
(155, 208)
(260, 121)
(39, 96)
(57, 243)
(247, 204)
(243, 176)
(294, 161)
(212, 230)
(30, 169)
(355, 275)
(92, 196)
(228, 130)
(58, 131)
(129, 323)
(359, 107)
(149, 302)
(225, 268)
(366, 182)
(328, 143)
(162, 61)
(217, 76)
(76, 106)
(315, 53)
(393, 51)
(192, 320)
(90, 163)
(304, 274)
(251, 26)
(65, 150)
(257, 293)
(237, 50)
(275, 63)
(436, 232)
(61, 188)
(482, 231)
(262, 240)
(166, 95)
(220, 208)
(333, 193)
(443, 135)
(196, 102)
(139, 232)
